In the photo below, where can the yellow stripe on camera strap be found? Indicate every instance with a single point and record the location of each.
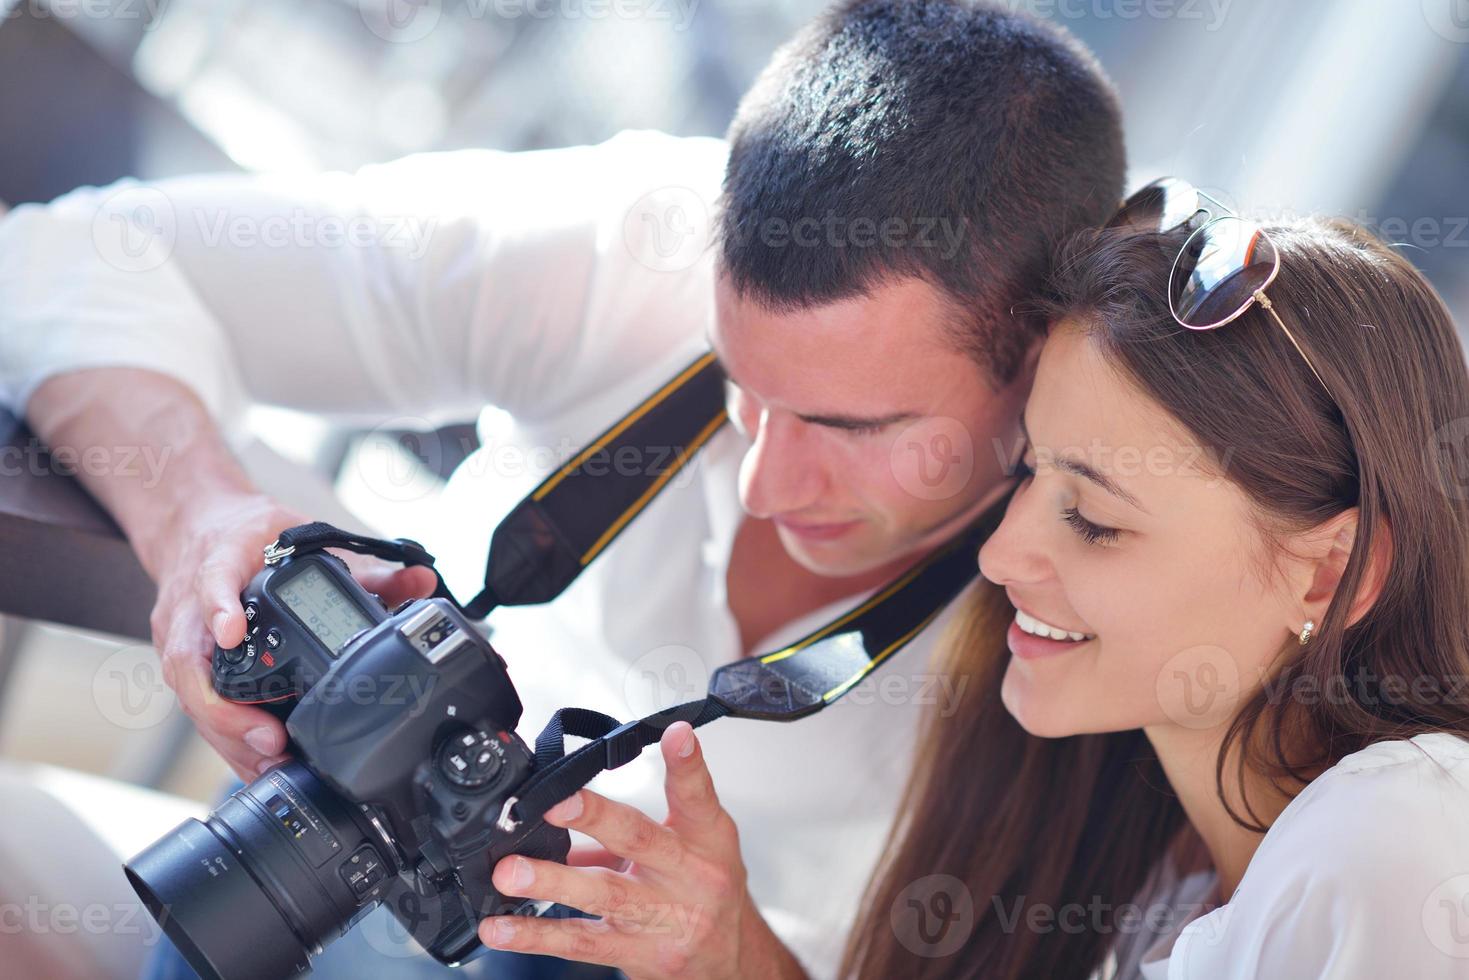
(544, 543)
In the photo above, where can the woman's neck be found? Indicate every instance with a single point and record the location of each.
(1189, 759)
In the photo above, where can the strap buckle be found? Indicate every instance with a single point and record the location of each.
(624, 744)
(274, 552)
(506, 822)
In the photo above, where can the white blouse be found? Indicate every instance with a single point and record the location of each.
(1364, 874)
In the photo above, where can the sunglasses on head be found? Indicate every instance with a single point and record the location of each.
(1224, 265)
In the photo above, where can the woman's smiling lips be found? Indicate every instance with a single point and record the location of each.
(1030, 637)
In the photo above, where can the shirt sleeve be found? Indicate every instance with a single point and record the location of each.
(1368, 877)
(429, 286)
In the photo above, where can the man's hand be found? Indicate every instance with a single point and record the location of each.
(680, 908)
(213, 549)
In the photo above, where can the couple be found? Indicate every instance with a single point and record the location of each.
(1208, 721)
(1222, 649)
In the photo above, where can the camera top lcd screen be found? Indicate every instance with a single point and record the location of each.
(322, 607)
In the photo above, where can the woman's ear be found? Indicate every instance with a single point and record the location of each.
(1338, 537)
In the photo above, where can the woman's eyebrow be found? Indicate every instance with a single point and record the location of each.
(1077, 467)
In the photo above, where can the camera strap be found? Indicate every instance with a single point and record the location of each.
(545, 542)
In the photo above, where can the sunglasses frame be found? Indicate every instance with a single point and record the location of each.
(1171, 184)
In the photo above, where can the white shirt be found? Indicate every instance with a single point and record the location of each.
(549, 284)
(1364, 874)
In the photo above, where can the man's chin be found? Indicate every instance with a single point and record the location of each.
(833, 559)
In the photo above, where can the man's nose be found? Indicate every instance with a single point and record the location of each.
(780, 473)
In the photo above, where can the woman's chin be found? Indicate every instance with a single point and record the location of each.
(1031, 707)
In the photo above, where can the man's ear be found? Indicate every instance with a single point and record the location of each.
(1335, 540)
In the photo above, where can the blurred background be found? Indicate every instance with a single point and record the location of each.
(1352, 107)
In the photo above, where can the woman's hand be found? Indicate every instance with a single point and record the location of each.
(679, 908)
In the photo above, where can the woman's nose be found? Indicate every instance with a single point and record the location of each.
(1012, 554)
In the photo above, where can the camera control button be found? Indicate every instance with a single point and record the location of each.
(250, 611)
(472, 760)
(233, 655)
(273, 639)
(363, 870)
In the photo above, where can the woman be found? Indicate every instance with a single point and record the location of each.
(1233, 588)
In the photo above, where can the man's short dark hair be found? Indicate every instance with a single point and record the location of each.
(954, 140)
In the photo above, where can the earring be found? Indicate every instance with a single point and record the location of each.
(1306, 631)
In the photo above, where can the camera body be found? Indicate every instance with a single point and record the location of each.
(300, 615)
(405, 761)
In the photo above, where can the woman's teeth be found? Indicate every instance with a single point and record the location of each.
(1030, 624)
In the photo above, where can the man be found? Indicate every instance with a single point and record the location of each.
(892, 186)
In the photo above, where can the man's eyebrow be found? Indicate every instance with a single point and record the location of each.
(849, 423)
(1084, 471)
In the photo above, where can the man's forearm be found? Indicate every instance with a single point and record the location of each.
(154, 448)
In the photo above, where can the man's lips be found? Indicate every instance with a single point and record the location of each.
(813, 531)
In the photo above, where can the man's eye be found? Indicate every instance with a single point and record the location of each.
(864, 430)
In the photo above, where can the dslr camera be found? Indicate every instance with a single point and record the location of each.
(405, 765)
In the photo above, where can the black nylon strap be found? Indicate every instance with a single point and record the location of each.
(816, 670)
(544, 543)
(319, 534)
(613, 744)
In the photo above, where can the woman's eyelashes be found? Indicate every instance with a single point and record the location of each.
(1089, 532)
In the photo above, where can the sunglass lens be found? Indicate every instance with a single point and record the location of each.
(1221, 267)
(1161, 206)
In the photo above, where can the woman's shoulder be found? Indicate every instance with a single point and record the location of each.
(1423, 776)
(1369, 865)
(1390, 809)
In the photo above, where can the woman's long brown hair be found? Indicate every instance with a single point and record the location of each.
(1067, 830)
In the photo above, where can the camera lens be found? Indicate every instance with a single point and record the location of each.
(276, 873)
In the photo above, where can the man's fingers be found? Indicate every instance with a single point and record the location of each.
(693, 805)
(582, 940)
(392, 583)
(402, 584)
(623, 830)
(254, 734)
(594, 856)
(219, 583)
(599, 891)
